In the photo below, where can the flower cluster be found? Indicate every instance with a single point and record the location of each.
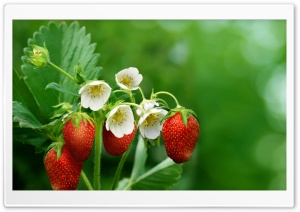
(120, 119)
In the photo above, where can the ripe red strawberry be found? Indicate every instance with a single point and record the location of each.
(116, 146)
(180, 141)
(79, 139)
(64, 172)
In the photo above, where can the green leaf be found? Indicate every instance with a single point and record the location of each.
(139, 160)
(33, 105)
(123, 183)
(76, 48)
(161, 177)
(57, 87)
(67, 46)
(31, 137)
(24, 117)
(79, 76)
(22, 94)
(28, 130)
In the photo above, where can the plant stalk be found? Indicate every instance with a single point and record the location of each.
(86, 180)
(119, 169)
(98, 143)
(171, 95)
(62, 71)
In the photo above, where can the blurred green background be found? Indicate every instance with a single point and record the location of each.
(232, 73)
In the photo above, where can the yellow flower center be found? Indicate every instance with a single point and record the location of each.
(126, 80)
(119, 117)
(151, 119)
(96, 90)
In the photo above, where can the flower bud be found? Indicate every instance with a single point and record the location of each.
(39, 56)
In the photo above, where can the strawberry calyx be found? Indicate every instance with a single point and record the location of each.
(57, 146)
(77, 117)
(61, 109)
(185, 114)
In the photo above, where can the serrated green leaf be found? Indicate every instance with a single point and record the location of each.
(38, 78)
(67, 46)
(76, 48)
(24, 117)
(22, 94)
(79, 76)
(161, 177)
(55, 86)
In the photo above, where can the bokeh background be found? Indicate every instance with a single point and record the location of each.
(232, 73)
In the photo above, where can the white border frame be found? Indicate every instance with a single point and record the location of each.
(147, 198)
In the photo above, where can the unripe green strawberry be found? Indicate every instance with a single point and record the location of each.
(116, 146)
(180, 141)
(79, 139)
(63, 172)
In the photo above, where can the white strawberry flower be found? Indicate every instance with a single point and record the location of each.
(129, 78)
(95, 94)
(149, 123)
(147, 105)
(120, 121)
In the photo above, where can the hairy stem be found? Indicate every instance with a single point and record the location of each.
(119, 169)
(171, 95)
(98, 142)
(86, 180)
(128, 92)
(62, 71)
(141, 91)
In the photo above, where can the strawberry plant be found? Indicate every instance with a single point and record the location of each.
(63, 107)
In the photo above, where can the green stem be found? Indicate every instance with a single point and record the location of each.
(133, 104)
(143, 96)
(120, 91)
(167, 93)
(128, 92)
(128, 186)
(61, 71)
(119, 169)
(86, 180)
(98, 142)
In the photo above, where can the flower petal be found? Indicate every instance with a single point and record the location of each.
(127, 127)
(85, 99)
(116, 130)
(139, 112)
(107, 125)
(97, 82)
(137, 80)
(143, 118)
(142, 131)
(152, 132)
(113, 111)
(129, 113)
(82, 89)
(96, 103)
